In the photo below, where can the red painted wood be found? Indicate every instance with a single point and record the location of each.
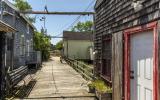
(127, 33)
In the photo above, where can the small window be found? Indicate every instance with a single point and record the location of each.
(106, 57)
(28, 28)
(22, 45)
(9, 44)
(28, 47)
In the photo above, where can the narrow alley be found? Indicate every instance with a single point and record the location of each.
(80, 50)
(59, 81)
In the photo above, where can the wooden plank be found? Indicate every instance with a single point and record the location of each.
(117, 66)
(85, 70)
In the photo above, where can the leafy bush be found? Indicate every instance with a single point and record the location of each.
(42, 43)
(100, 86)
(59, 45)
(83, 27)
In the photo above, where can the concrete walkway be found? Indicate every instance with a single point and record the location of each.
(56, 81)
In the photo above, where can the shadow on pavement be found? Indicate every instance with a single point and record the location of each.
(21, 92)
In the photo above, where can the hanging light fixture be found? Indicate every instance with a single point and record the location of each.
(137, 5)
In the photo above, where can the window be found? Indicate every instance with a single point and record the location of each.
(9, 44)
(28, 47)
(106, 57)
(22, 45)
(28, 28)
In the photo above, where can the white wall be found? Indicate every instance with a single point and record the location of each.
(78, 49)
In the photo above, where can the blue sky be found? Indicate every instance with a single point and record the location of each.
(56, 24)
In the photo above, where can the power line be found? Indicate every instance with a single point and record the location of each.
(75, 21)
(81, 15)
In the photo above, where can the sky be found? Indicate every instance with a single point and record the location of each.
(55, 24)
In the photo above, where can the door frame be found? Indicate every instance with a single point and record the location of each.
(127, 33)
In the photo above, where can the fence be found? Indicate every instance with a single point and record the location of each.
(85, 70)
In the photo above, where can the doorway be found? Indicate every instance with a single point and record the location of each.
(141, 63)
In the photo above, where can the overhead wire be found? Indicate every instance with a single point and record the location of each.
(80, 15)
(77, 18)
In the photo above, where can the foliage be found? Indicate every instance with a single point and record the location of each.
(100, 86)
(83, 27)
(91, 85)
(59, 45)
(42, 43)
(24, 6)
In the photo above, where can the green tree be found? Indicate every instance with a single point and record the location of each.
(42, 43)
(59, 45)
(23, 5)
(83, 27)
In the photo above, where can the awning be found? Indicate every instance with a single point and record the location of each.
(6, 28)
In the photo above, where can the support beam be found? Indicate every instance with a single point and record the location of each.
(56, 37)
(57, 13)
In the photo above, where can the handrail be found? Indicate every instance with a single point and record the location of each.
(85, 70)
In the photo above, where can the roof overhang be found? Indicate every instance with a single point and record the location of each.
(17, 10)
(6, 28)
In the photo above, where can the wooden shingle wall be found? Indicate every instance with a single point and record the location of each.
(116, 15)
(113, 17)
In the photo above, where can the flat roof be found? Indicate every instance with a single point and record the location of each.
(69, 35)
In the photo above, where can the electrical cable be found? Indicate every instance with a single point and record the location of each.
(75, 21)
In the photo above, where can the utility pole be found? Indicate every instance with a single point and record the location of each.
(44, 21)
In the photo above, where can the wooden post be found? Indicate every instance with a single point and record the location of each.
(117, 66)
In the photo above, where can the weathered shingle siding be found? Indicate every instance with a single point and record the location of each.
(115, 15)
(20, 24)
(6, 15)
(21, 27)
